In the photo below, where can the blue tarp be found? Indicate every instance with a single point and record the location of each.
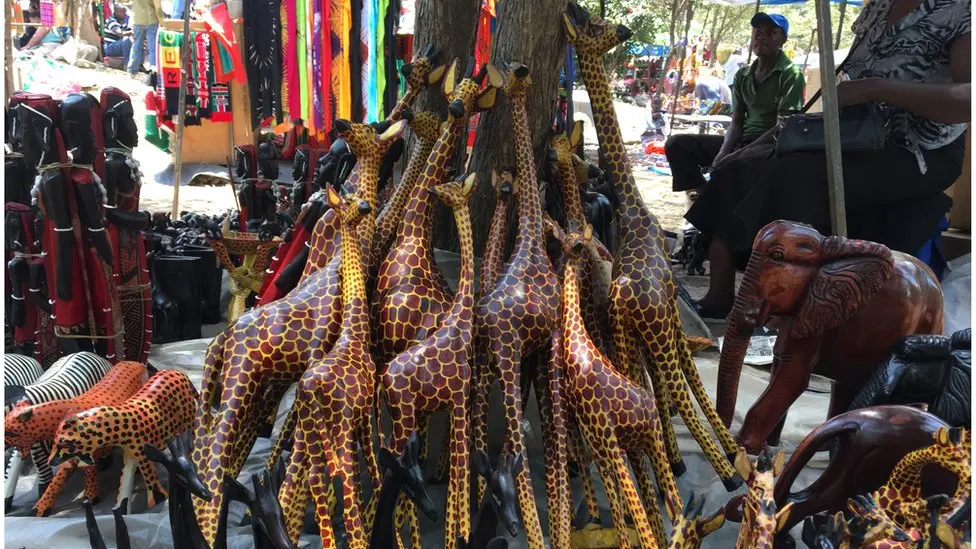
(656, 50)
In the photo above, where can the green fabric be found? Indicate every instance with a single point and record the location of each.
(302, 58)
(380, 16)
(780, 94)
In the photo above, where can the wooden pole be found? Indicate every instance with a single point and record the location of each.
(181, 116)
(831, 117)
(806, 58)
(749, 57)
(8, 54)
(840, 24)
(681, 64)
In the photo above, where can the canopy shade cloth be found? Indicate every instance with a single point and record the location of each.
(855, 3)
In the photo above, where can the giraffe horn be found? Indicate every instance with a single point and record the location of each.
(470, 69)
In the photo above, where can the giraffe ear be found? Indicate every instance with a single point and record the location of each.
(487, 99)
(712, 522)
(942, 436)
(393, 132)
(469, 184)
(449, 84)
(436, 74)
(495, 77)
(494, 179)
(570, 26)
(742, 464)
(783, 516)
(778, 462)
(588, 232)
(576, 135)
(334, 199)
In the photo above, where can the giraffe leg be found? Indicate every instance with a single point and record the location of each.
(675, 461)
(443, 462)
(607, 475)
(294, 490)
(319, 482)
(155, 493)
(625, 345)
(284, 438)
(458, 521)
(509, 368)
(557, 453)
(351, 512)
(583, 461)
(630, 497)
(643, 474)
(44, 505)
(665, 359)
(372, 467)
(479, 427)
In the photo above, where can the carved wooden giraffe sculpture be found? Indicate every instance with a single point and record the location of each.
(691, 528)
(643, 293)
(517, 317)
(435, 375)
(411, 294)
(760, 517)
(901, 497)
(872, 528)
(615, 415)
(323, 242)
(334, 405)
(250, 365)
(427, 127)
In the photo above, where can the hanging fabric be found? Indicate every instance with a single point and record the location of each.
(482, 44)
(392, 63)
(379, 55)
(169, 68)
(340, 24)
(325, 78)
(317, 119)
(367, 38)
(301, 57)
(219, 22)
(356, 61)
(289, 36)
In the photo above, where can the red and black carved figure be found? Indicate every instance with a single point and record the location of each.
(844, 303)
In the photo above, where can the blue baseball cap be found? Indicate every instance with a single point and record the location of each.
(774, 18)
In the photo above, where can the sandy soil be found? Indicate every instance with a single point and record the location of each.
(156, 165)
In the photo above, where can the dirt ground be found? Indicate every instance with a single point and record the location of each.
(156, 165)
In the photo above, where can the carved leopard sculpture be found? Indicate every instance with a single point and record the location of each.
(160, 410)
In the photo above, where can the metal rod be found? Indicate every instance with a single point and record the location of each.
(831, 117)
(806, 58)
(840, 24)
(181, 114)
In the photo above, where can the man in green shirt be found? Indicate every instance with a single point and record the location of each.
(769, 88)
(146, 16)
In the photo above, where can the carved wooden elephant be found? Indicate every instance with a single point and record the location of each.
(870, 442)
(931, 369)
(845, 304)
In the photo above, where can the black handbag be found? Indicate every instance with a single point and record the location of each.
(863, 128)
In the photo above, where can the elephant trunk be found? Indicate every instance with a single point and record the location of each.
(748, 312)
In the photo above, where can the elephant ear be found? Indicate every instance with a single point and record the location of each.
(838, 290)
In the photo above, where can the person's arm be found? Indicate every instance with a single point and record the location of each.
(791, 102)
(158, 6)
(733, 135)
(943, 103)
(39, 35)
(113, 26)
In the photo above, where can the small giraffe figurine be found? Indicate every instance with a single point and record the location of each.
(494, 260)
(251, 364)
(643, 293)
(691, 528)
(419, 73)
(614, 414)
(516, 318)
(872, 528)
(411, 294)
(901, 497)
(334, 405)
(427, 127)
(761, 519)
(435, 375)
(826, 532)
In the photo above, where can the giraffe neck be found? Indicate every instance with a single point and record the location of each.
(397, 113)
(354, 309)
(629, 201)
(572, 317)
(389, 219)
(460, 312)
(369, 178)
(566, 175)
(529, 239)
(492, 263)
(419, 219)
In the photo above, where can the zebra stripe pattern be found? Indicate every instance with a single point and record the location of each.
(20, 370)
(67, 378)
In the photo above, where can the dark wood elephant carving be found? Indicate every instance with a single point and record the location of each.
(870, 442)
(842, 305)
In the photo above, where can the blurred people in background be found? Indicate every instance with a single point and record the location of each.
(117, 41)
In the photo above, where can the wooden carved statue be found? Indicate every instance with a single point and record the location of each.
(826, 531)
(184, 485)
(643, 293)
(435, 375)
(871, 527)
(516, 318)
(160, 410)
(68, 377)
(691, 527)
(247, 277)
(334, 405)
(615, 415)
(411, 294)
(404, 473)
(250, 365)
(870, 442)
(499, 504)
(26, 425)
(761, 517)
(267, 521)
(95, 536)
(845, 303)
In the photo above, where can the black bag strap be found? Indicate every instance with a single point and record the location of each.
(840, 67)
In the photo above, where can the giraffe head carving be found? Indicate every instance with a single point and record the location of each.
(503, 183)
(421, 71)
(585, 171)
(408, 472)
(589, 34)
(691, 528)
(350, 206)
(369, 142)
(823, 531)
(562, 144)
(517, 79)
(760, 513)
(455, 193)
(501, 493)
(466, 97)
(426, 125)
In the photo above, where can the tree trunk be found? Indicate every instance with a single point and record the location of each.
(542, 50)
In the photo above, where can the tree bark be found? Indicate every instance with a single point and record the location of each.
(542, 50)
